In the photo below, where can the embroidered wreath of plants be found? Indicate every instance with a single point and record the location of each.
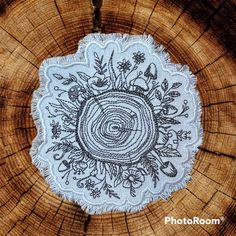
(114, 125)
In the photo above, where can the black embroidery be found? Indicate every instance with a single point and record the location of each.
(114, 131)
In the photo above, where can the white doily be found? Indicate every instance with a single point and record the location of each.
(118, 123)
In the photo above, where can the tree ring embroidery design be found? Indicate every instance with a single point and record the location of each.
(118, 123)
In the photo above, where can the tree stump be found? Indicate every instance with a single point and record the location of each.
(200, 34)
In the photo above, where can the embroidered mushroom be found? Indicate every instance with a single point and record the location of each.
(151, 72)
(75, 92)
(139, 84)
(168, 169)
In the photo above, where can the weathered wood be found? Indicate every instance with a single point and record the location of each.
(198, 33)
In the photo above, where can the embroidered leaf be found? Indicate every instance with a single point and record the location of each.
(158, 95)
(150, 163)
(176, 85)
(169, 110)
(174, 94)
(142, 171)
(68, 106)
(58, 76)
(69, 136)
(83, 76)
(113, 169)
(96, 55)
(99, 66)
(56, 147)
(108, 169)
(167, 152)
(55, 105)
(168, 100)
(67, 82)
(132, 191)
(164, 85)
(110, 192)
(73, 78)
(92, 164)
(167, 120)
(111, 70)
(50, 149)
(118, 81)
(118, 180)
(101, 167)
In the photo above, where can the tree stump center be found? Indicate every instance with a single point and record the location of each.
(117, 127)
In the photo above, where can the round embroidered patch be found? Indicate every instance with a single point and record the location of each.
(118, 124)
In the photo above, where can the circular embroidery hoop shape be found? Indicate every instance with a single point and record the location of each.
(117, 127)
(118, 123)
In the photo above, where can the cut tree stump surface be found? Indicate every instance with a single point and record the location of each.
(200, 34)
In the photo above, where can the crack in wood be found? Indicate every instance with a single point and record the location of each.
(207, 176)
(86, 224)
(18, 174)
(60, 227)
(229, 222)
(150, 224)
(60, 15)
(217, 153)
(226, 87)
(233, 197)
(132, 15)
(182, 12)
(18, 106)
(210, 63)
(126, 223)
(58, 208)
(97, 15)
(213, 132)
(12, 90)
(11, 35)
(217, 103)
(195, 195)
(207, 203)
(173, 39)
(17, 152)
(150, 16)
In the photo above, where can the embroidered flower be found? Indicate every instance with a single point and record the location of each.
(99, 82)
(133, 178)
(79, 166)
(138, 57)
(89, 184)
(124, 66)
(56, 129)
(95, 193)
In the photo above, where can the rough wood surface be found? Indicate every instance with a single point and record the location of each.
(198, 33)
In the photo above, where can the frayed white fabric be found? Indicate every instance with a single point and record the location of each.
(118, 123)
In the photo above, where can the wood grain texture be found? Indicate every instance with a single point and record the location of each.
(200, 34)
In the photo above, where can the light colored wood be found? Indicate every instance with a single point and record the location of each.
(195, 33)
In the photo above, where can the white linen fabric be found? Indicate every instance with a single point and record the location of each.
(118, 123)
